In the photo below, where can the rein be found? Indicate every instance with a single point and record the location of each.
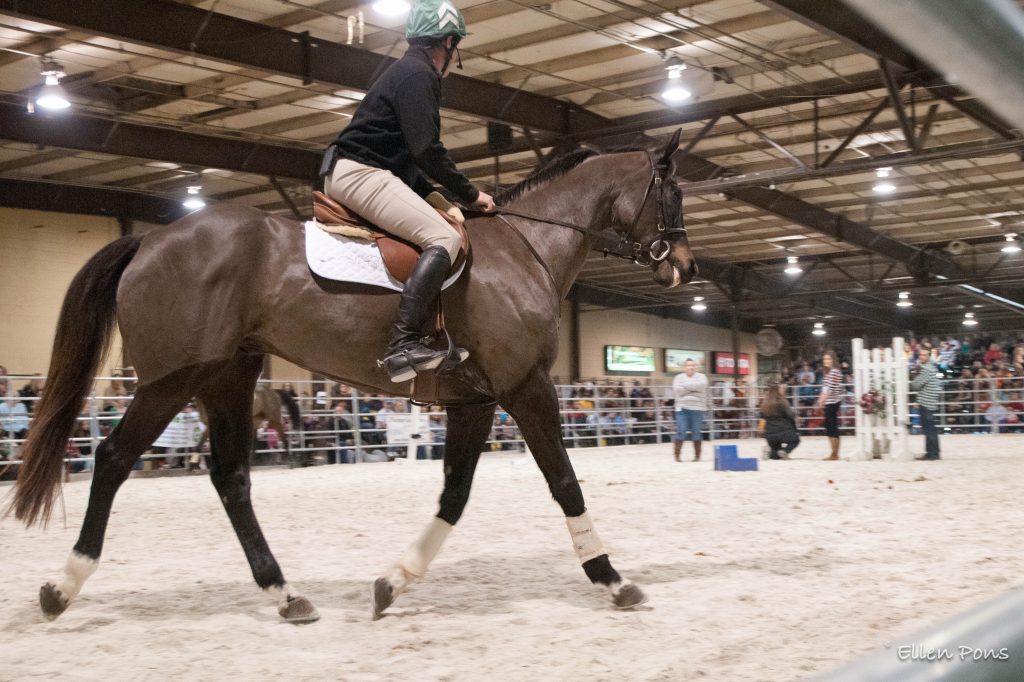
(655, 252)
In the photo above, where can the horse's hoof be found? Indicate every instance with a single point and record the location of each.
(629, 596)
(52, 601)
(298, 610)
(383, 596)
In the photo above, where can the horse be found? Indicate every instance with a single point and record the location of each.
(267, 405)
(201, 301)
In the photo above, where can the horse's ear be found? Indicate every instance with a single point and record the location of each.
(671, 147)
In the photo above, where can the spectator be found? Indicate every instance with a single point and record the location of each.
(830, 399)
(344, 438)
(926, 383)
(779, 422)
(13, 416)
(31, 392)
(690, 391)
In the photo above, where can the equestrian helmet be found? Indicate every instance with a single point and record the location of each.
(435, 19)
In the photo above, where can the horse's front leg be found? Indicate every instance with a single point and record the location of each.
(468, 427)
(534, 406)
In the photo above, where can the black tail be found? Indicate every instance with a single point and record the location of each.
(83, 334)
(292, 407)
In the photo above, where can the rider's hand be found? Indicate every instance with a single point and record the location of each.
(485, 202)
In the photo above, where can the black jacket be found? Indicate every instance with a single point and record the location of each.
(397, 127)
(780, 426)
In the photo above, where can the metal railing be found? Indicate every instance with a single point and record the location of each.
(341, 425)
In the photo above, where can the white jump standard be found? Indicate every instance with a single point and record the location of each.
(884, 432)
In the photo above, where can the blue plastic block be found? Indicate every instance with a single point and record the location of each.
(727, 459)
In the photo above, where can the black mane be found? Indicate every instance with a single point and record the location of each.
(551, 170)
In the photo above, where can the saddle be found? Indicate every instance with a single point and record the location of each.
(399, 256)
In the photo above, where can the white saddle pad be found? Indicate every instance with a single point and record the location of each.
(334, 256)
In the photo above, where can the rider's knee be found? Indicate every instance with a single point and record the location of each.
(452, 243)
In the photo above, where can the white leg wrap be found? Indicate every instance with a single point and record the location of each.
(282, 594)
(584, 538)
(418, 556)
(76, 571)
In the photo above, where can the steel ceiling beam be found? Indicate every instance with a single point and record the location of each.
(840, 22)
(191, 31)
(89, 133)
(821, 220)
(50, 196)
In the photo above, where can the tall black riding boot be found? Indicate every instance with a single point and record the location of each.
(407, 355)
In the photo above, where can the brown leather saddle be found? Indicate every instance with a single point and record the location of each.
(399, 255)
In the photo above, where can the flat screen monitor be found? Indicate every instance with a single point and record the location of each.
(676, 357)
(629, 359)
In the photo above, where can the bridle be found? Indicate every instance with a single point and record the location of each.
(654, 252)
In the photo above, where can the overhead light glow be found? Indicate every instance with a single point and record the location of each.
(51, 95)
(193, 201)
(793, 267)
(904, 301)
(391, 8)
(819, 329)
(698, 304)
(969, 320)
(674, 91)
(884, 188)
(1011, 245)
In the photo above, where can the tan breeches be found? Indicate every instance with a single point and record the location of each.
(380, 197)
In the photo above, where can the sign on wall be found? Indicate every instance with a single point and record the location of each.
(723, 363)
(629, 359)
(675, 357)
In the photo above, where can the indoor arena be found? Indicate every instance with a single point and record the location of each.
(507, 340)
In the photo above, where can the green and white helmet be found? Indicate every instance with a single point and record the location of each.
(435, 19)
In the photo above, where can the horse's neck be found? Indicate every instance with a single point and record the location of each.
(585, 202)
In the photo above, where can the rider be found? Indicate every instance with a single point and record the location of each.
(379, 164)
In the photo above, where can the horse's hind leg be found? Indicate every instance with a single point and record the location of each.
(148, 414)
(468, 427)
(534, 406)
(228, 399)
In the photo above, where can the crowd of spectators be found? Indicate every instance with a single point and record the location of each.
(983, 390)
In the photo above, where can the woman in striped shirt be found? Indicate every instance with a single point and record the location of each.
(830, 399)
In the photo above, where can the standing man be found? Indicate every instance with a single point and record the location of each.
(928, 386)
(690, 390)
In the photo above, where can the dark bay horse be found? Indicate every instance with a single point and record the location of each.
(200, 302)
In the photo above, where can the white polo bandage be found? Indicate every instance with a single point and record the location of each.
(418, 556)
(77, 570)
(584, 538)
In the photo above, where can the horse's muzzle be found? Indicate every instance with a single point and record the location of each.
(676, 270)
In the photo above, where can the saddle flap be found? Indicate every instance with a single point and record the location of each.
(328, 211)
(399, 256)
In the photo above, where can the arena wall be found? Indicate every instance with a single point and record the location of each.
(40, 252)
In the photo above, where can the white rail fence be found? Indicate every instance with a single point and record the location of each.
(339, 425)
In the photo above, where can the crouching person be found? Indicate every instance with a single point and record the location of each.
(779, 422)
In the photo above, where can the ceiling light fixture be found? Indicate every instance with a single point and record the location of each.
(52, 96)
(391, 8)
(674, 91)
(793, 265)
(904, 301)
(698, 304)
(883, 186)
(193, 201)
(969, 320)
(1011, 245)
(819, 329)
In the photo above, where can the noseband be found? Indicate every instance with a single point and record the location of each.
(654, 252)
